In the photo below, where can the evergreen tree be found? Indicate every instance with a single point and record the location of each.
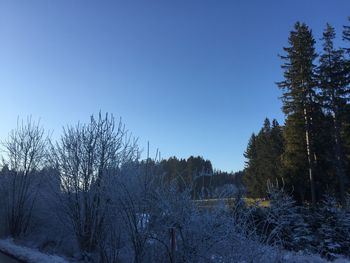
(294, 164)
(299, 104)
(345, 131)
(250, 178)
(263, 158)
(346, 38)
(334, 92)
(329, 228)
(277, 147)
(346, 33)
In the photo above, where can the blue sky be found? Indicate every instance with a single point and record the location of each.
(193, 77)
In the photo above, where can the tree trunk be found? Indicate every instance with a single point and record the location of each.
(339, 160)
(309, 157)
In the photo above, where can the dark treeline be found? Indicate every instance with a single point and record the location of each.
(309, 154)
(198, 173)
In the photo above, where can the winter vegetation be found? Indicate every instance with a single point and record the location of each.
(88, 196)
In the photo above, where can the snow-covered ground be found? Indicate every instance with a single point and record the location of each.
(34, 256)
(28, 254)
(294, 257)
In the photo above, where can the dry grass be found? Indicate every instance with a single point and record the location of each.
(209, 203)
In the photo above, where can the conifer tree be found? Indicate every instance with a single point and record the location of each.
(346, 38)
(334, 92)
(346, 33)
(264, 158)
(346, 114)
(277, 146)
(329, 221)
(250, 178)
(299, 104)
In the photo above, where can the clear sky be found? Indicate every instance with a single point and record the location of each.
(193, 77)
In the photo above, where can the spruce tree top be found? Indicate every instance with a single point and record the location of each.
(299, 74)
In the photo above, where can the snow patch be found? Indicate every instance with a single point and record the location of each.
(28, 254)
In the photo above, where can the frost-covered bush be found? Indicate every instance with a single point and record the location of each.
(145, 209)
(285, 223)
(50, 231)
(25, 152)
(333, 228)
(88, 156)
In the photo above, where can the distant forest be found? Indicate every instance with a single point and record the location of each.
(198, 174)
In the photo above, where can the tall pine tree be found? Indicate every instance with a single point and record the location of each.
(346, 33)
(299, 104)
(333, 95)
